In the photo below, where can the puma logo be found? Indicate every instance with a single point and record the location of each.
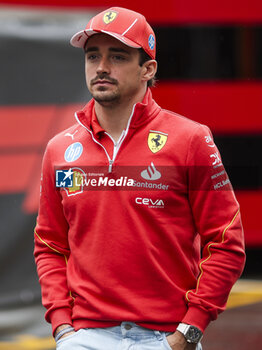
(71, 135)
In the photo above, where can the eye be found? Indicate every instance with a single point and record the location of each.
(119, 57)
(91, 56)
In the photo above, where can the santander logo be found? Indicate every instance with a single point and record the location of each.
(151, 173)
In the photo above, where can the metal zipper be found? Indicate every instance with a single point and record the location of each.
(117, 145)
(110, 165)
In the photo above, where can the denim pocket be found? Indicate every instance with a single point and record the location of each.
(68, 337)
(165, 342)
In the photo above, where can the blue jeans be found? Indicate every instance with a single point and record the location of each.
(128, 336)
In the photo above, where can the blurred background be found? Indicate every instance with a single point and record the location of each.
(210, 70)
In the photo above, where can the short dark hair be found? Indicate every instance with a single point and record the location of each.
(143, 57)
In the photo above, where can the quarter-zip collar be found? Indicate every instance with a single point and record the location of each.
(143, 113)
(94, 124)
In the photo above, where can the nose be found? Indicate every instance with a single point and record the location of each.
(103, 66)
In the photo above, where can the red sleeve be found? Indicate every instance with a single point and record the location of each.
(217, 220)
(51, 249)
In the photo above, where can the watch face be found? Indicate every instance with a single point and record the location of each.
(193, 334)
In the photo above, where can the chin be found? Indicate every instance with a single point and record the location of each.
(106, 97)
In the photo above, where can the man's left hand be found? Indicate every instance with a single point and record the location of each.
(178, 342)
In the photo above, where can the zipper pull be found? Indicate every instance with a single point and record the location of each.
(110, 166)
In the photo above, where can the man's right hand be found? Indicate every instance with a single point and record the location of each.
(178, 342)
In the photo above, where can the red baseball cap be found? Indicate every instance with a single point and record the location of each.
(130, 27)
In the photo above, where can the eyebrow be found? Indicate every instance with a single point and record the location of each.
(111, 49)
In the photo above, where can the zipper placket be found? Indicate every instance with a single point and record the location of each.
(116, 148)
(117, 144)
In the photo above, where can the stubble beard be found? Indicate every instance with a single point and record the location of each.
(106, 99)
(102, 94)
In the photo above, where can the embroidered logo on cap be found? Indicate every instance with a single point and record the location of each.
(109, 16)
(151, 41)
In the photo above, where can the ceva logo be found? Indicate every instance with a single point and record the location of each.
(151, 203)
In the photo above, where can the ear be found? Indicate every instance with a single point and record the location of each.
(149, 69)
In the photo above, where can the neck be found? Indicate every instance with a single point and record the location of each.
(113, 118)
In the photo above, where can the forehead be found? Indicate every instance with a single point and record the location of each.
(104, 41)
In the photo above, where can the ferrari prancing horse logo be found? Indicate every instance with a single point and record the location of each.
(156, 140)
(109, 16)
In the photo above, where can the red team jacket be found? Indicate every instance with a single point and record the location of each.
(146, 230)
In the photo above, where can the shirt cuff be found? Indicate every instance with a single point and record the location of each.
(197, 317)
(59, 317)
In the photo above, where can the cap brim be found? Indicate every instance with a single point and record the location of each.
(80, 38)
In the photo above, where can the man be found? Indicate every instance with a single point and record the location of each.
(138, 239)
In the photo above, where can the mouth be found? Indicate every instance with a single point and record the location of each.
(103, 82)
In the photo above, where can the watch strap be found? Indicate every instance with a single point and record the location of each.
(183, 328)
(190, 332)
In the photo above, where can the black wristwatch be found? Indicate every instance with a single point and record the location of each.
(192, 334)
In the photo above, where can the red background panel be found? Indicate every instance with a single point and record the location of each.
(170, 11)
(23, 126)
(16, 172)
(250, 205)
(226, 107)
